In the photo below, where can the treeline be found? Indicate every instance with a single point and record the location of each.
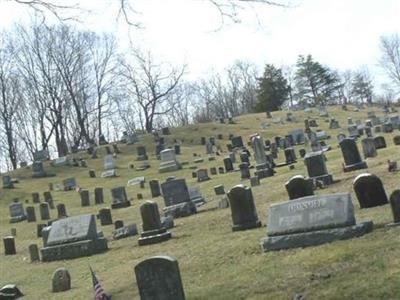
(61, 87)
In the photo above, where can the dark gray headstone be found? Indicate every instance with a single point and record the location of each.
(298, 187)
(351, 155)
(369, 190)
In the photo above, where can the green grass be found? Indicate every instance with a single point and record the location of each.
(215, 262)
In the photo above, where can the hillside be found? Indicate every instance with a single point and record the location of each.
(216, 263)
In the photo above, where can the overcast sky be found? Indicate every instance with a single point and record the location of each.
(343, 34)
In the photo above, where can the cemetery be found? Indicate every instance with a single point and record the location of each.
(292, 209)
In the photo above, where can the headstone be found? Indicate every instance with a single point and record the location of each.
(177, 149)
(119, 198)
(298, 137)
(34, 252)
(61, 211)
(298, 187)
(92, 174)
(168, 161)
(219, 189)
(316, 167)
(38, 169)
(369, 190)
(159, 278)
(141, 153)
(154, 188)
(254, 181)
(30, 214)
(244, 170)
(85, 200)
(243, 209)
(312, 220)
(105, 216)
(118, 224)
(213, 171)
(61, 280)
(396, 140)
(69, 184)
(334, 124)
(209, 148)
(35, 198)
(237, 142)
(60, 161)
(228, 164)
(39, 228)
(41, 155)
(109, 163)
(165, 131)
(368, 146)
(17, 213)
(7, 182)
(48, 198)
(124, 232)
(73, 237)
(9, 245)
(177, 198)
(290, 155)
(351, 155)
(380, 142)
(98, 195)
(202, 175)
(263, 167)
(153, 232)
(196, 196)
(395, 205)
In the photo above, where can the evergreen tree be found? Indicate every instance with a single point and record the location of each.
(362, 87)
(272, 89)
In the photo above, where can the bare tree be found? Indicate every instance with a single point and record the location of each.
(150, 84)
(390, 58)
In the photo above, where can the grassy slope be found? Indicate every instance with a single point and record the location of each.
(216, 263)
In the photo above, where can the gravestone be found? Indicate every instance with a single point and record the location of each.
(196, 196)
(243, 209)
(124, 231)
(168, 161)
(177, 149)
(395, 206)
(202, 175)
(60, 161)
(244, 157)
(263, 168)
(219, 189)
(34, 252)
(85, 200)
(316, 167)
(98, 195)
(41, 155)
(48, 198)
(35, 198)
(153, 232)
(119, 198)
(73, 237)
(38, 170)
(244, 170)
(177, 198)
(154, 188)
(237, 142)
(312, 220)
(396, 140)
(340, 137)
(254, 181)
(209, 148)
(228, 164)
(290, 155)
(109, 163)
(334, 124)
(17, 213)
(158, 278)
(61, 281)
(369, 190)
(7, 182)
(213, 171)
(351, 155)
(298, 187)
(92, 174)
(298, 137)
(30, 214)
(9, 245)
(141, 153)
(69, 184)
(380, 142)
(105, 216)
(353, 131)
(368, 146)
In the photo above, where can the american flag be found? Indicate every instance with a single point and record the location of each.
(99, 293)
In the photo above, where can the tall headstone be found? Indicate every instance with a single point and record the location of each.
(380, 142)
(369, 190)
(30, 214)
(228, 164)
(263, 168)
(244, 170)
(38, 169)
(158, 278)
(119, 198)
(9, 245)
(154, 188)
(34, 252)
(316, 167)
(351, 155)
(168, 161)
(177, 198)
(368, 146)
(395, 205)
(109, 163)
(153, 231)
(85, 200)
(98, 195)
(243, 209)
(44, 211)
(141, 153)
(105, 216)
(61, 211)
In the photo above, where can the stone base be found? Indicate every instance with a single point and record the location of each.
(17, 219)
(263, 171)
(326, 179)
(393, 224)
(154, 237)
(120, 204)
(245, 226)
(180, 210)
(169, 166)
(142, 157)
(357, 166)
(198, 201)
(74, 250)
(314, 238)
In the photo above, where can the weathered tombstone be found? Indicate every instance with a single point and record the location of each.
(237, 142)
(7, 182)
(109, 163)
(39, 228)
(202, 175)
(30, 214)
(396, 140)
(141, 153)
(263, 168)
(368, 146)
(48, 198)
(73, 237)
(118, 224)
(61, 280)
(168, 161)
(254, 181)
(377, 129)
(158, 278)
(228, 164)
(61, 211)
(387, 127)
(153, 232)
(312, 220)
(196, 196)
(124, 232)
(38, 169)
(44, 211)
(213, 171)
(17, 213)
(119, 198)
(85, 200)
(302, 152)
(316, 167)
(290, 155)
(69, 184)
(177, 198)
(334, 124)
(35, 198)
(9, 245)
(395, 205)
(98, 195)
(92, 174)
(369, 190)
(380, 142)
(219, 189)
(243, 209)
(244, 170)
(177, 149)
(34, 252)
(209, 148)
(221, 170)
(41, 155)
(154, 188)
(351, 155)
(105, 216)
(298, 187)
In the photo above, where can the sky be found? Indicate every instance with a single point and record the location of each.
(342, 34)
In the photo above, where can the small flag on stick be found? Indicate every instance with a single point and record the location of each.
(99, 293)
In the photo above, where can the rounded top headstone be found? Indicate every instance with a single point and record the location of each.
(61, 280)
